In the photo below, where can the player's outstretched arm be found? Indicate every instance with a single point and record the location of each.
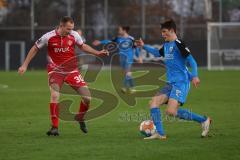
(194, 73)
(89, 49)
(138, 55)
(33, 51)
(148, 48)
(97, 42)
(152, 50)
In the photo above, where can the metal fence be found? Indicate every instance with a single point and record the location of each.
(27, 20)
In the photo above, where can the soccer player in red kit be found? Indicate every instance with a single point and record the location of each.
(63, 67)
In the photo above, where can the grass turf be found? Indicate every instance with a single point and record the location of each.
(24, 119)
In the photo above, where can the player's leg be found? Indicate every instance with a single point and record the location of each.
(85, 102)
(172, 107)
(158, 100)
(191, 116)
(128, 74)
(54, 110)
(177, 97)
(55, 83)
(84, 106)
(174, 110)
(76, 81)
(126, 84)
(128, 80)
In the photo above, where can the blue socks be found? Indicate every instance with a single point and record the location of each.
(188, 115)
(182, 114)
(128, 82)
(157, 120)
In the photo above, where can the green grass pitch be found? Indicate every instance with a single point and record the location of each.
(24, 120)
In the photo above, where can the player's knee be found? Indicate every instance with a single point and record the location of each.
(154, 103)
(87, 99)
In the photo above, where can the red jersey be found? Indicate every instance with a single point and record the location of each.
(61, 49)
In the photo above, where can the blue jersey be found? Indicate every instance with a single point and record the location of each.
(176, 56)
(126, 47)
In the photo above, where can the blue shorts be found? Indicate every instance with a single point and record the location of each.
(125, 64)
(177, 91)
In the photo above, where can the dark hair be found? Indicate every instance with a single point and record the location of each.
(169, 24)
(66, 19)
(125, 28)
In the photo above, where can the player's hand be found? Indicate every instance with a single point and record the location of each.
(140, 60)
(96, 43)
(103, 52)
(195, 82)
(22, 69)
(139, 43)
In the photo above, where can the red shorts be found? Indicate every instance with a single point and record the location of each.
(73, 78)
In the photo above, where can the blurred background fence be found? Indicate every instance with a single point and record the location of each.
(26, 20)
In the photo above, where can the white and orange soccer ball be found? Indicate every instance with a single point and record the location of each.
(147, 128)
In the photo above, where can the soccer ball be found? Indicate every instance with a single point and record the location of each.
(147, 128)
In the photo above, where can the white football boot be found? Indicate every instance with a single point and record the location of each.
(156, 136)
(206, 126)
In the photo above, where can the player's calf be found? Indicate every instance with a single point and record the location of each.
(80, 116)
(54, 90)
(84, 106)
(86, 99)
(54, 97)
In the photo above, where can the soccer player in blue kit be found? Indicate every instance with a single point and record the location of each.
(176, 57)
(127, 49)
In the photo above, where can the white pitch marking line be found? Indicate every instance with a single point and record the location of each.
(3, 86)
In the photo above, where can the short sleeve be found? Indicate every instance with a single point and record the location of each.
(182, 48)
(41, 42)
(78, 38)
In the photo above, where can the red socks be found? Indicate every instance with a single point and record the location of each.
(54, 112)
(82, 110)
